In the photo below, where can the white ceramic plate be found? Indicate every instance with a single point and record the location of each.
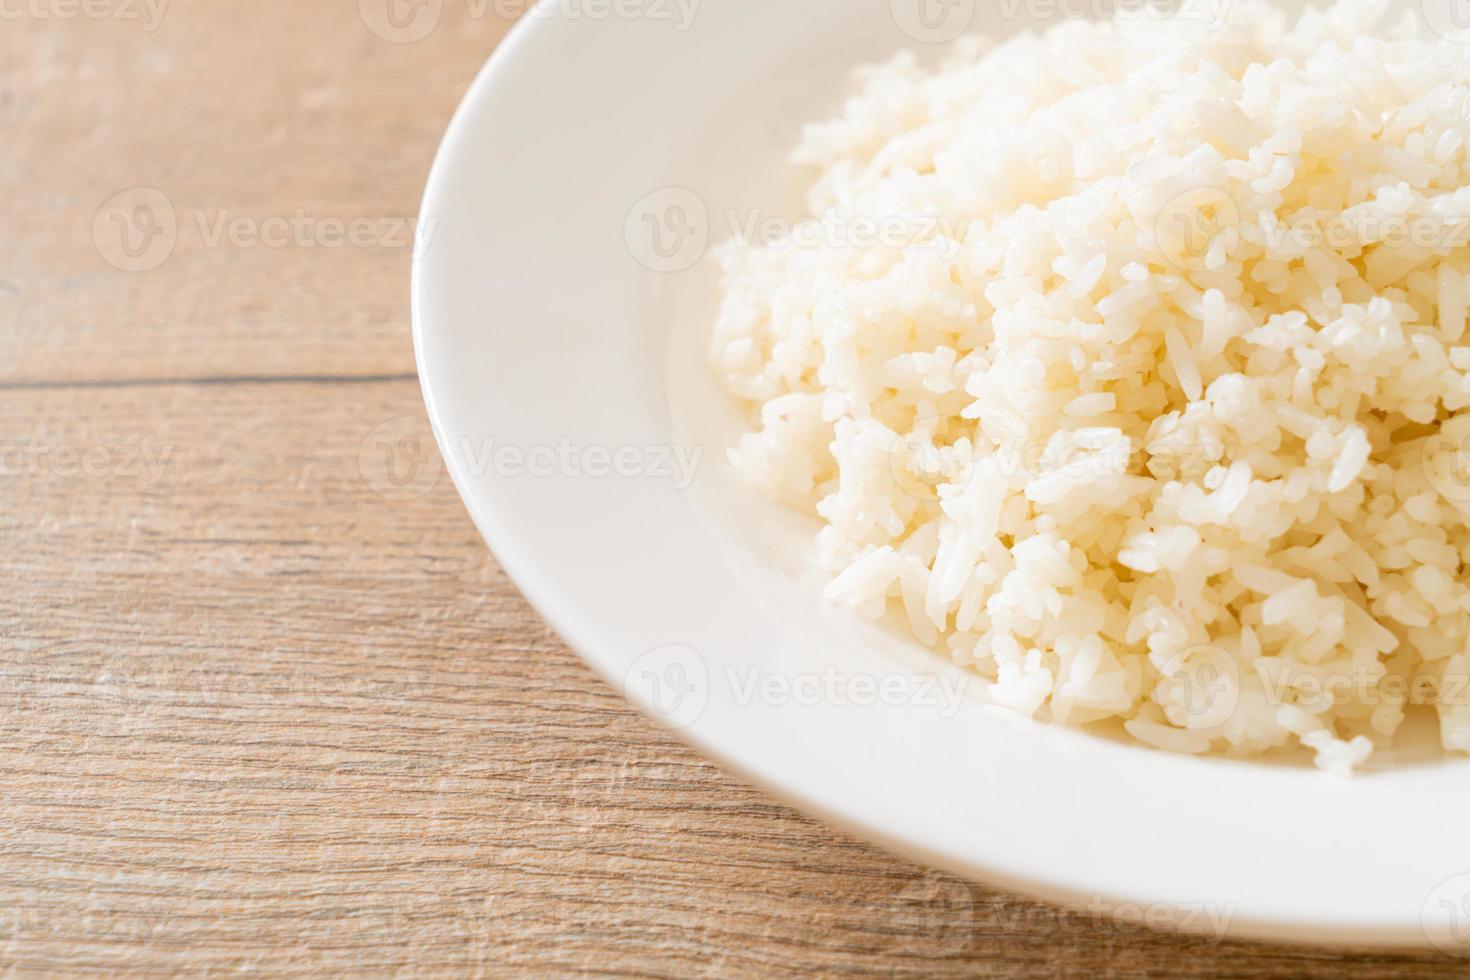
(559, 316)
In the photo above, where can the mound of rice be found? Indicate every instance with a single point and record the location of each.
(1144, 387)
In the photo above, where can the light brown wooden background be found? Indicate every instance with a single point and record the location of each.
(255, 715)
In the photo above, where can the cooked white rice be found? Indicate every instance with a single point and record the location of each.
(1153, 412)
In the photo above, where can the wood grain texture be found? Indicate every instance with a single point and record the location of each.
(255, 715)
(263, 709)
(242, 115)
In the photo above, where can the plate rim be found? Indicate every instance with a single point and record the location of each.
(581, 638)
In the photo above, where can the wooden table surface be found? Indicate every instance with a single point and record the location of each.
(258, 709)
